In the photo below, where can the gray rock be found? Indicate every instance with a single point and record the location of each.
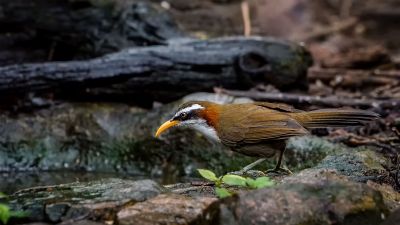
(38, 223)
(358, 164)
(83, 222)
(308, 151)
(170, 209)
(311, 197)
(110, 138)
(194, 190)
(98, 199)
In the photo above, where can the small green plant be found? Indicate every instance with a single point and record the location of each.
(234, 180)
(6, 213)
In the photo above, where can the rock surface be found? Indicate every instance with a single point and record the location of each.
(170, 209)
(308, 151)
(312, 197)
(110, 138)
(95, 200)
(360, 165)
(333, 184)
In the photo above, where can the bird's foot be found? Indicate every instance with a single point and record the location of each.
(279, 171)
(249, 173)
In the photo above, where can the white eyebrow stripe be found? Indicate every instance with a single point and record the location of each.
(190, 108)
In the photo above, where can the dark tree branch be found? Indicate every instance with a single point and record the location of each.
(295, 99)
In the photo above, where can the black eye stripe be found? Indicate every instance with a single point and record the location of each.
(184, 115)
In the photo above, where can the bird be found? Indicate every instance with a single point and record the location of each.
(259, 129)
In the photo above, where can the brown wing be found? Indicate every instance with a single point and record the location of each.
(278, 107)
(250, 124)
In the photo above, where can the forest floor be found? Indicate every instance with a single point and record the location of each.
(355, 49)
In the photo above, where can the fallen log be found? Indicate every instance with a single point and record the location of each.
(47, 30)
(164, 73)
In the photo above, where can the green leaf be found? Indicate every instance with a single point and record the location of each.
(222, 192)
(263, 182)
(4, 213)
(209, 175)
(232, 179)
(251, 183)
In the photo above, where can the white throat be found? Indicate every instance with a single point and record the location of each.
(206, 130)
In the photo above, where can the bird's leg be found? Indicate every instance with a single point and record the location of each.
(278, 164)
(251, 165)
(247, 170)
(278, 168)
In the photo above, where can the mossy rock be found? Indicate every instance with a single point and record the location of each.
(110, 137)
(312, 197)
(100, 199)
(307, 151)
(359, 164)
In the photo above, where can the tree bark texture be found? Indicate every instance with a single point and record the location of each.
(164, 73)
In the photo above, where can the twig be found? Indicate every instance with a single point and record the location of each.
(346, 77)
(246, 18)
(202, 183)
(387, 73)
(314, 100)
(188, 189)
(355, 139)
(330, 73)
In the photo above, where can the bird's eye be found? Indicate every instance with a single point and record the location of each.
(184, 115)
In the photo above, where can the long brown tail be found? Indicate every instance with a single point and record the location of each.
(334, 118)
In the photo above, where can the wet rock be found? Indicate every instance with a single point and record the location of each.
(358, 164)
(110, 138)
(39, 223)
(390, 197)
(311, 197)
(170, 209)
(95, 200)
(193, 189)
(82, 222)
(308, 151)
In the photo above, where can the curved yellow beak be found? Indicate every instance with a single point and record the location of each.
(165, 126)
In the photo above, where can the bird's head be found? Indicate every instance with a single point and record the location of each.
(200, 115)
